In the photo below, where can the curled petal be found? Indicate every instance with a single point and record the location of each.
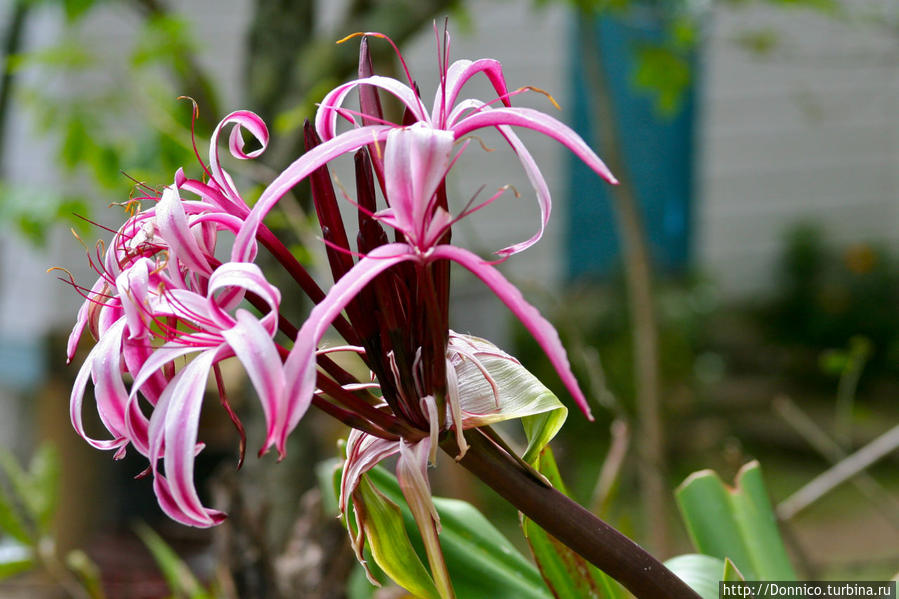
(135, 354)
(253, 346)
(363, 452)
(352, 140)
(191, 307)
(171, 508)
(454, 406)
(107, 316)
(458, 75)
(94, 296)
(415, 162)
(133, 287)
(156, 360)
(243, 276)
(241, 119)
(540, 122)
(106, 372)
(77, 397)
(412, 474)
(544, 202)
(211, 194)
(141, 431)
(326, 116)
(540, 328)
(138, 426)
(183, 399)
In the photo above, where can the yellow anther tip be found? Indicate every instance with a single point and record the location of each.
(545, 93)
(351, 36)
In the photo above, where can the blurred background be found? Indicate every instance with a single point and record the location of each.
(734, 298)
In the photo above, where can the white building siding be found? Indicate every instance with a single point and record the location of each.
(806, 134)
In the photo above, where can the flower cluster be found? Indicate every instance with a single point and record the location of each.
(162, 295)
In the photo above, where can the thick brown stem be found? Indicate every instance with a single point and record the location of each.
(597, 542)
(12, 41)
(650, 440)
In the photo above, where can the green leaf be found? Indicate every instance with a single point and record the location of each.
(731, 572)
(566, 573)
(10, 521)
(482, 563)
(664, 74)
(540, 430)
(521, 395)
(69, 55)
(18, 478)
(180, 579)
(390, 545)
(700, 572)
(44, 471)
(74, 9)
(15, 558)
(163, 39)
(35, 490)
(88, 573)
(75, 142)
(735, 522)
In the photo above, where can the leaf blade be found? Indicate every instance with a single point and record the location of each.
(566, 574)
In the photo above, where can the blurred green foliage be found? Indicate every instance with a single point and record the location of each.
(112, 117)
(28, 501)
(828, 295)
(32, 212)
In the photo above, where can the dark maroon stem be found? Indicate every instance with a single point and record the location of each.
(349, 418)
(597, 542)
(383, 420)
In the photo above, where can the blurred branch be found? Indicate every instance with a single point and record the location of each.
(12, 41)
(821, 442)
(192, 78)
(841, 472)
(611, 467)
(638, 272)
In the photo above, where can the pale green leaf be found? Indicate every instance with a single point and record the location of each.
(731, 572)
(36, 490)
(515, 394)
(700, 572)
(567, 574)
(382, 523)
(180, 579)
(44, 471)
(11, 522)
(88, 573)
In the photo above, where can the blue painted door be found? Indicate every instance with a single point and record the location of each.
(657, 147)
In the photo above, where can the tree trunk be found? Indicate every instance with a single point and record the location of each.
(649, 437)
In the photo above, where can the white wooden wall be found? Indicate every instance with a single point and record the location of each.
(810, 132)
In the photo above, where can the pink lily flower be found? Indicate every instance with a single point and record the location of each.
(416, 161)
(459, 118)
(160, 283)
